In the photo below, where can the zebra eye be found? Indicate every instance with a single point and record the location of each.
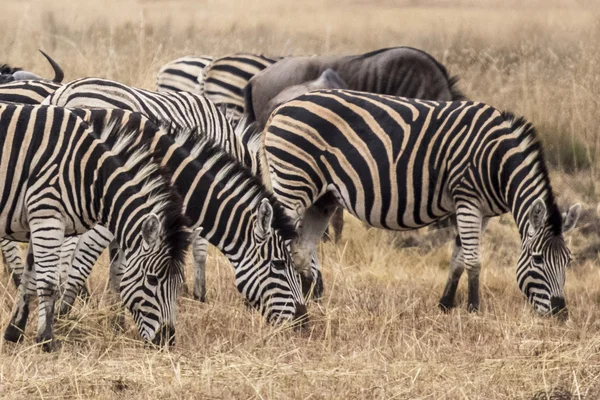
(279, 265)
(152, 279)
(537, 260)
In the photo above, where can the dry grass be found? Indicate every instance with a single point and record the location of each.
(377, 332)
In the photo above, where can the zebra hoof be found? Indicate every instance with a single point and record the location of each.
(200, 298)
(446, 305)
(13, 334)
(473, 308)
(49, 345)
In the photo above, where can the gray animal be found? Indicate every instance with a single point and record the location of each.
(399, 71)
(11, 74)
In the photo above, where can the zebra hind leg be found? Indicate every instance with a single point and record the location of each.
(457, 268)
(16, 328)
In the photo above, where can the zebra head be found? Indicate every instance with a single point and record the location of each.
(542, 266)
(265, 274)
(153, 274)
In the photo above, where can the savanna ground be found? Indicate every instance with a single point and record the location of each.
(377, 332)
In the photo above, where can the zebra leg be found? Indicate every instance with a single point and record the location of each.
(67, 251)
(457, 267)
(47, 236)
(13, 262)
(89, 247)
(16, 328)
(199, 250)
(117, 257)
(337, 223)
(470, 227)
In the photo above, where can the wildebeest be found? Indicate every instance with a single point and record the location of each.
(399, 71)
(10, 74)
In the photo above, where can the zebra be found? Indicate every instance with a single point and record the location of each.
(225, 202)
(182, 75)
(225, 78)
(401, 164)
(60, 179)
(11, 74)
(27, 92)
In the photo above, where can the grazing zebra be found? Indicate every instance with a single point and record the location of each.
(59, 179)
(182, 75)
(11, 74)
(401, 164)
(226, 203)
(27, 92)
(226, 77)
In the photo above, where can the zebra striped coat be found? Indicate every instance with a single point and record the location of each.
(226, 203)
(182, 75)
(182, 109)
(399, 164)
(226, 77)
(59, 179)
(27, 92)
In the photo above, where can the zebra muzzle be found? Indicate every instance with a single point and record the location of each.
(166, 336)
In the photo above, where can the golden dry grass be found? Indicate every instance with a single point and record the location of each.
(377, 332)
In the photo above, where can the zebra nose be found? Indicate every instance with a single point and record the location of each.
(301, 316)
(559, 307)
(164, 336)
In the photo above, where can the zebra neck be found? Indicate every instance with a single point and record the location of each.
(522, 181)
(120, 206)
(219, 196)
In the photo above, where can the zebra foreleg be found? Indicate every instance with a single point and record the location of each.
(47, 236)
(16, 328)
(457, 267)
(199, 250)
(471, 225)
(89, 247)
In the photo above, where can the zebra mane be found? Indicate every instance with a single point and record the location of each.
(527, 135)
(202, 147)
(143, 166)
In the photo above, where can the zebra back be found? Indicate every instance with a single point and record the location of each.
(182, 109)
(27, 92)
(182, 75)
(226, 77)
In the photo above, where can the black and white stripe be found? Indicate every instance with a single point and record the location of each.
(182, 109)
(27, 92)
(401, 164)
(58, 179)
(182, 75)
(226, 77)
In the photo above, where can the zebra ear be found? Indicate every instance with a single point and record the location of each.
(150, 229)
(571, 217)
(262, 230)
(537, 215)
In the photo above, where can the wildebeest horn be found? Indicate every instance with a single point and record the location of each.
(59, 75)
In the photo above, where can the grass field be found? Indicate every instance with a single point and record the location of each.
(377, 332)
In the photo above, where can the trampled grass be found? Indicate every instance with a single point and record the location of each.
(377, 333)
